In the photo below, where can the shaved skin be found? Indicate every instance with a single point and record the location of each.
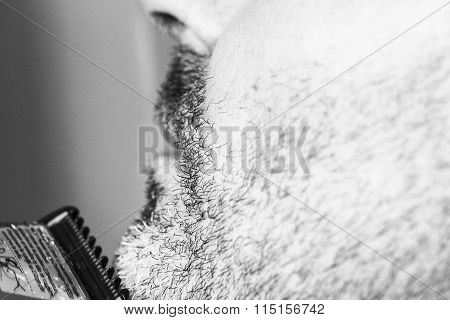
(371, 217)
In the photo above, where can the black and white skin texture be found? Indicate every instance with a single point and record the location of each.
(371, 220)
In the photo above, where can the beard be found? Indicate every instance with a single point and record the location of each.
(168, 251)
(179, 112)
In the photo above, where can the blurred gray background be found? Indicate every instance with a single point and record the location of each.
(68, 130)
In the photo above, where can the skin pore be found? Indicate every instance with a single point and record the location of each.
(371, 217)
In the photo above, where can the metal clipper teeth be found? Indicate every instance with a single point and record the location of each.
(103, 261)
(97, 251)
(79, 221)
(125, 294)
(110, 272)
(91, 241)
(85, 231)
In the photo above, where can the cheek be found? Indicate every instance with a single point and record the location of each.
(251, 79)
(259, 65)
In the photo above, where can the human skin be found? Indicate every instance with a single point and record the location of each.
(370, 217)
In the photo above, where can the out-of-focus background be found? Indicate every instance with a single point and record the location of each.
(68, 130)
